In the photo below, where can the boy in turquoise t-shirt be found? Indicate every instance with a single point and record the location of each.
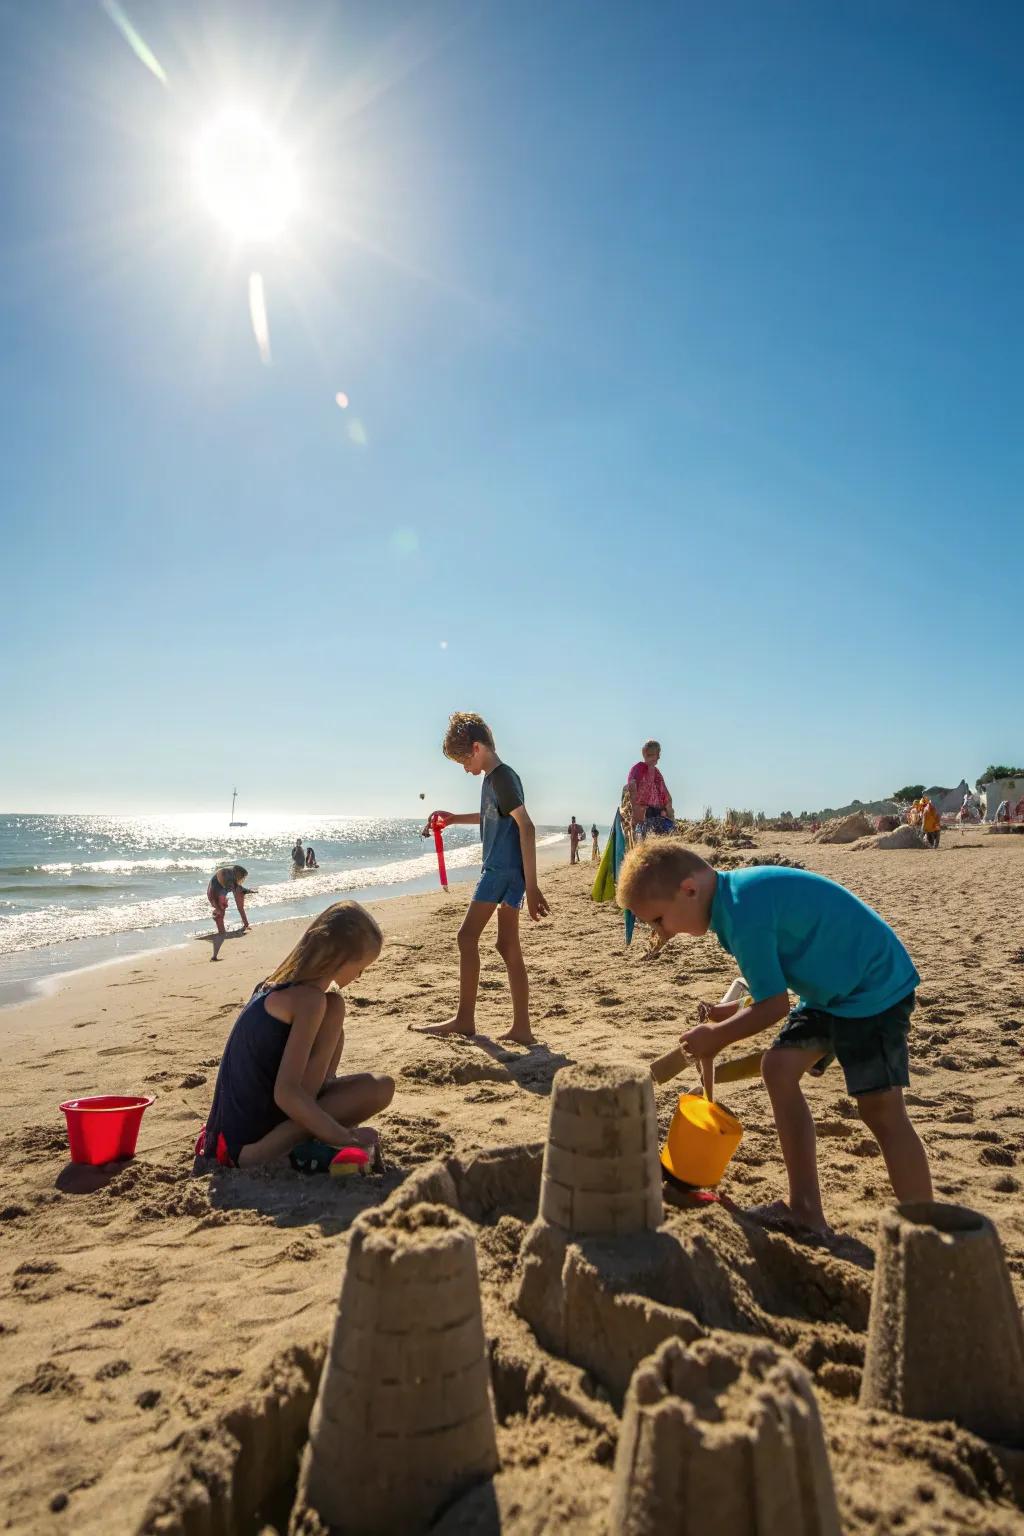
(788, 930)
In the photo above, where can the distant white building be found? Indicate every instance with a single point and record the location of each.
(998, 790)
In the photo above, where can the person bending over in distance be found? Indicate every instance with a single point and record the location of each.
(225, 881)
(276, 1086)
(508, 875)
(311, 862)
(790, 929)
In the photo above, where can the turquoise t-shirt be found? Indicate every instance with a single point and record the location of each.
(790, 930)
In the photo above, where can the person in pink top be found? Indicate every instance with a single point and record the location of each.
(648, 791)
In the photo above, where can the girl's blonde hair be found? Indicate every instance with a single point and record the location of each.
(343, 932)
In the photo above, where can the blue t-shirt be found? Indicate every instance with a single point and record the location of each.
(500, 794)
(791, 930)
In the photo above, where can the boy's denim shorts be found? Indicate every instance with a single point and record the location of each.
(505, 887)
(872, 1052)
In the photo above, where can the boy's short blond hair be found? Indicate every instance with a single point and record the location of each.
(464, 731)
(656, 867)
(651, 746)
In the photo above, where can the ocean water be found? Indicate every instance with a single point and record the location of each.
(78, 890)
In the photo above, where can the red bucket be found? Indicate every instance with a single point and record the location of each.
(104, 1128)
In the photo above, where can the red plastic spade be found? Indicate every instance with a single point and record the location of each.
(437, 825)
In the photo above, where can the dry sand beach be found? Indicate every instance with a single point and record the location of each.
(147, 1315)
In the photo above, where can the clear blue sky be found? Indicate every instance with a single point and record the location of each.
(683, 346)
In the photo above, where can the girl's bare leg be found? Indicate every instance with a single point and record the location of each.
(349, 1100)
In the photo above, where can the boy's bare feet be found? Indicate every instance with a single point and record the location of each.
(449, 1027)
(518, 1038)
(779, 1211)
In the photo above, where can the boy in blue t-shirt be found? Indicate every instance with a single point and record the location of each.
(508, 875)
(789, 929)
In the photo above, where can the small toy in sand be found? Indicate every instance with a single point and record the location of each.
(348, 1161)
(318, 1157)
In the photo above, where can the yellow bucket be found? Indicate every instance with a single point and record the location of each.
(701, 1139)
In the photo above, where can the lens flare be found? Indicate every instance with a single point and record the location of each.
(258, 315)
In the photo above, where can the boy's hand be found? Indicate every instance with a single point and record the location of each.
(443, 817)
(716, 1013)
(701, 1040)
(535, 903)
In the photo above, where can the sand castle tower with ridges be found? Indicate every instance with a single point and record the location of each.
(945, 1339)
(403, 1419)
(601, 1175)
(601, 1179)
(725, 1439)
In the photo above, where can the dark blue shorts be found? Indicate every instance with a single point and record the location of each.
(505, 887)
(872, 1052)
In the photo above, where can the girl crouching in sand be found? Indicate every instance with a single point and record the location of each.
(276, 1085)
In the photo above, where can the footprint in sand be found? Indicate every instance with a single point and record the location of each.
(50, 1380)
(29, 1279)
(112, 1370)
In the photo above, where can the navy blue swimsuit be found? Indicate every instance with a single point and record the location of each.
(243, 1108)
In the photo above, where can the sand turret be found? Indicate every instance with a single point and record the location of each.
(725, 1439)
(600, 1182)
(601, 1175)
(945, 1339)
(403, 1419)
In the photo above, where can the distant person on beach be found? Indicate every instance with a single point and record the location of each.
(576, 836)
(790, 929)
(509, 875)
(311, 862)
(931, 823)
(649, 797)
(224, 882)
(595, 845)
(276, 1086)
(298, 855)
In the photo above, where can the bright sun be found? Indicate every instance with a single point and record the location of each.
(246, 177)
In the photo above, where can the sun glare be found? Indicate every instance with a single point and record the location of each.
(246, 177)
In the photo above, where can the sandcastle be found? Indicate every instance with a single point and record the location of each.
(403, 1419)
(722, 1438)
(945, 1339)
(579, 1285)
(601, 1176)
(644, 1344)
